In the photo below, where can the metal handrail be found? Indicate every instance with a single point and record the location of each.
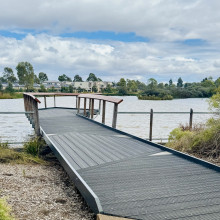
(151, 113)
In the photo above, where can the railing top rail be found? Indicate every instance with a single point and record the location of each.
(101, 97)
(52, 94)
(32, 96)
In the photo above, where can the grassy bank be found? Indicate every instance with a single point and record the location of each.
(30, 154)
(14, 95)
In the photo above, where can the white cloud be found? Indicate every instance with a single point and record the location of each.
(109, 60)
(163, 20)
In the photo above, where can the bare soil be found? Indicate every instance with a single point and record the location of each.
(41, 192)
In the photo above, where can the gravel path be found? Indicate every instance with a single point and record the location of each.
(41, 192)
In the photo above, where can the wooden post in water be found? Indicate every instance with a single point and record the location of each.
(190, 118)
(84, 107)
(45, 102)
(103, 111)
(54, 100)
(78, 105)
(115, 113)
(151, 125)
(92, 108)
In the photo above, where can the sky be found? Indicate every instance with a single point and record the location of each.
(135, 39)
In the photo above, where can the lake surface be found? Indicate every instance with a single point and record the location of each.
(16, 128)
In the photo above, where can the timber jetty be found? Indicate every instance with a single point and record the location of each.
(119, 174)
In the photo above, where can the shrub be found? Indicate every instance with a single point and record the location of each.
(203, 141)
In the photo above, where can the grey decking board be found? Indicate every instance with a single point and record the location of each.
(93, 154)
(88, 161)
(136, 184)
(65, 152)
(94, 148)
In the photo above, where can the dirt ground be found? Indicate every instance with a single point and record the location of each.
(41, 192)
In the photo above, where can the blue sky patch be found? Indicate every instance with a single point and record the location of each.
(98, 35)
(107, 35)
(194, 42)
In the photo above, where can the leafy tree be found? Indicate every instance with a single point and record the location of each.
(94, 89)
(170, 82)
(180, 83)
(42, 77)
(152, 83)
(1, 87)
(132, 85)
(2, 80)
(92, 77)
(42, 88)
(36, 79)
(141, 85)
(8, 75)
(70, 88)
(9, 88)
(217, 82)
(160, 86)
(108, 89)
(207, 83)
(122, 83)
(214, 101)
(25, 72)
(77, 78)
(64, 77)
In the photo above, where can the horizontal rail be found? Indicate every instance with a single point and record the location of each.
(53, 94)
(17, 142)
(101, 97)
(167, 113)
(15, 113)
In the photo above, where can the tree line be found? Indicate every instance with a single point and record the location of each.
(150, 90)
(165, 91)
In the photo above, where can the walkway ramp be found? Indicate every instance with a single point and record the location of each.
(122, 175)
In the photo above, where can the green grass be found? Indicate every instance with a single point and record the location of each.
(14, 95)
(5, 210)
(29, 155)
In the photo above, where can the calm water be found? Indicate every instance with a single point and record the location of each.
(16, 128)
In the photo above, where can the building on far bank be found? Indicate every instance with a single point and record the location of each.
(89, 85)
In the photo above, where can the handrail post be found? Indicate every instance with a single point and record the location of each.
(84, 107)
(25, 104)
(36, 117)
(103, 111)
(76, 101)
(54, 100)
(115, 113)
(78, 105)
(190, 119)
(99, 106)
(151, 124)
(92, 108)
(28, 107)
(45, 102)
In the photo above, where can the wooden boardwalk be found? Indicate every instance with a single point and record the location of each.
(122, 175)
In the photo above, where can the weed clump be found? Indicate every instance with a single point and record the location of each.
(33, 146)
(5, 210)
(30, 153)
